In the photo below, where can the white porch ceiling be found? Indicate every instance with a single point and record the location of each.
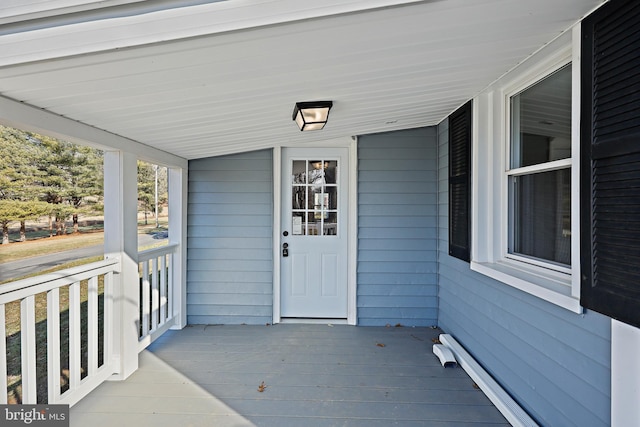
(230, 91)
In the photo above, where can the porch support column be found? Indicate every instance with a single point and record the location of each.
(178, 235)
(121, 241)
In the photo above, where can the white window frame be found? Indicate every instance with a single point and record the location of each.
(528, 171)
(491, 169)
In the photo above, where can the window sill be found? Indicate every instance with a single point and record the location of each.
(535, 281)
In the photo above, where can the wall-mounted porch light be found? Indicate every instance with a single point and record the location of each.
(311, 115)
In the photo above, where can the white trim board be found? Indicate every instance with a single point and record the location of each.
(277, 229)
(625, 375)
(516, 416)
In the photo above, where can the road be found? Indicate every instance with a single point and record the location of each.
(13, 269)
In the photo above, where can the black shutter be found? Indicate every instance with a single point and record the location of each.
(460, 183)
(610, 161)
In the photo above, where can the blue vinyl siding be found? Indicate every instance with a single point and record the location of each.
(555, 363)
(397, 228)
(229, 232)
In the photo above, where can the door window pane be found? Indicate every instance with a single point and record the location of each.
(330, 226)
(299, 169)
(298, 196)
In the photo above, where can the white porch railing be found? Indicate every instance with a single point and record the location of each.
(57, 330)
(155, 267)
(60, 345)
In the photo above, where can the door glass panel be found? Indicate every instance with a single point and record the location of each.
(298, 197)
(319, 197)
(297, 223)
(299, 172)
(332, 194)
(315, 223)
(330, 225)
(314, 201)
(316, 172)
(330, 172)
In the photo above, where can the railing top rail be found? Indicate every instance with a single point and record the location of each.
(154, 252)
(59, 278)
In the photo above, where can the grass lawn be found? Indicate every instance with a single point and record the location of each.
(43, 246)
(20, 250)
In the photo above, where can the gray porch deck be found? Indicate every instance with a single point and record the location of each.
(315, 375)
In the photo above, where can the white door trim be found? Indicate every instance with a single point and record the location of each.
(352, 215)
(277, 214)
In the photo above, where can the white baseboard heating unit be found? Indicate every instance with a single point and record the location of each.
(450, 353)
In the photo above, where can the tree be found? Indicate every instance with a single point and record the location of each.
(72, 176)
(34, 168)
(85, 180)
(147, 187)
(19, 176)
(18, 210)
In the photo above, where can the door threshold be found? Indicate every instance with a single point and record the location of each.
(313, 321)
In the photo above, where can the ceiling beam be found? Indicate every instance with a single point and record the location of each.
(26, 117)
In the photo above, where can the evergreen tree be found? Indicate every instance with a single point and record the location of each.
(19, 210)
(19, 179)
(37, 168)
(72, 177)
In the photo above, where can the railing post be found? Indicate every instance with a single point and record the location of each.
(121, 241)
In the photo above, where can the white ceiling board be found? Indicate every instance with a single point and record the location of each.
(139, 24)
(387, 69)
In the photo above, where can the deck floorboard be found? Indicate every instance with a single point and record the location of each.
(314, 375)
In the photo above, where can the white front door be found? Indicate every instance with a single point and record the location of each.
(313, 240)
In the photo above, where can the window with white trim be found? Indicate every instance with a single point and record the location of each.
(525, 176)
(539, 173)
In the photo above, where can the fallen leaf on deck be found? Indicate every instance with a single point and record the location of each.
(262, 386)
(379, 344)
(436, 340)
(476, 386)
(398, 325)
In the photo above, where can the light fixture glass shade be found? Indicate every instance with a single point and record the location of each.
(311, 115)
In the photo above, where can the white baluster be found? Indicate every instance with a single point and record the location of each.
(28, 349)
(53, 344)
